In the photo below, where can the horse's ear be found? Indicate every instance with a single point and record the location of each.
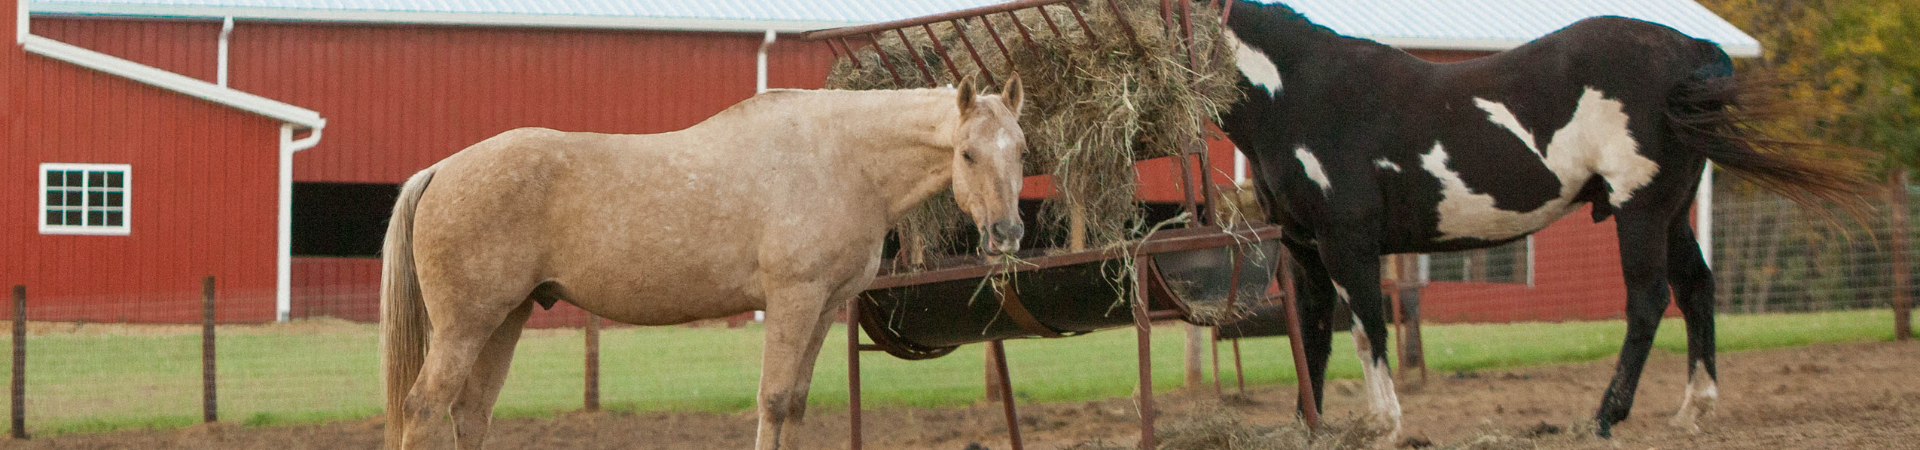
(966, 94)
(1014, 94)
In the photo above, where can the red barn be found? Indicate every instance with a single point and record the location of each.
(174, 95)
(126, 184)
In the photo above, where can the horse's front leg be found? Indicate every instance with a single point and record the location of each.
(797, 321)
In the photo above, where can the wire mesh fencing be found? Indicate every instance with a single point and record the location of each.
(1767, 255)
(90, 367)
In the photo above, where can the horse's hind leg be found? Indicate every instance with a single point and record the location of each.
(458, 337)
(1643, 259)
(797, 323)
(1693, 290)
(1352, 255)
(473, 412)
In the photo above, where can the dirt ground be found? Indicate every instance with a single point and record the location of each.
(1828, 396)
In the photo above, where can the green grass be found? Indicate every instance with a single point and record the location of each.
(83, 383)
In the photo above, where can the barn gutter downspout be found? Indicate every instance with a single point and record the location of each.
(20, 31)
(283, 263)
(226, 32)
(759, 87)
(760, 80)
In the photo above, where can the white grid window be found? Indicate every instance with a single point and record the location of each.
(1507, 263)
(84, 198)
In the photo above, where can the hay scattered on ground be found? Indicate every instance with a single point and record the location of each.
(1095, 103)
(1221, 428)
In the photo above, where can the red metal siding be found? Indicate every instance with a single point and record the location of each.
(203, 200)
(349, 288)
(1576, 276)
(188, 48)
(399, 98)
(12, 244)
(346, 288)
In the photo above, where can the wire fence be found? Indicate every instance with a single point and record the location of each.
(1767, 255)
(94, 375)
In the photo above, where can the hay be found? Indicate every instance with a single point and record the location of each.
(1221, 428)
(1095, 103)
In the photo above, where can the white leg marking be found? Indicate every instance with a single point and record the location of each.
(1312, 166)
(1256, 66)
(1699, 400)
(1500, 115)
(1385, 164)
(1595, 141)
(1381, 400)
(1342, 291)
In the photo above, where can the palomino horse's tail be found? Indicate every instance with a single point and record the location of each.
(1717, 114)
(403, 315)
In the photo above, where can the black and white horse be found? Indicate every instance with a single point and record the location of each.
(1361, 150)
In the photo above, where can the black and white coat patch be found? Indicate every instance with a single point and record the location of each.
(1361, 150)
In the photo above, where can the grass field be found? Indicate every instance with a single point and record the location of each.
(98, 379)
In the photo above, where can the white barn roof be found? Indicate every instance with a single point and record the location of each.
(1504, 24)
(1427, 24)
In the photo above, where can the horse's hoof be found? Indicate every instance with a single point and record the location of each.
(1685, 421)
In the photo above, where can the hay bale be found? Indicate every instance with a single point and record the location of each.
(1096, 103)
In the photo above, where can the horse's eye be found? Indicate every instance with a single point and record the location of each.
(967, 155)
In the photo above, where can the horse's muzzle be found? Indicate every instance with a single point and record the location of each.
(1004, 237)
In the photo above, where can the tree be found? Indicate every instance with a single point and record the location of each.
(1855, 63)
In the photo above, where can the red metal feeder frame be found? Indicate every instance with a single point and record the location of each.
(1151, 296)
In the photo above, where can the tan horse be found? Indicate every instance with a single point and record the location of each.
(779, 203)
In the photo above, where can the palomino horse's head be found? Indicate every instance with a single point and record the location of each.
(987, 164)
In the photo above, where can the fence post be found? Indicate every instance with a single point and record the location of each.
(211, 404)
(592, 400)
(1902, 272)
(19, 362)
(1413, 352)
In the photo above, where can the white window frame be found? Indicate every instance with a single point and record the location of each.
(1426, 266)
(126, 202)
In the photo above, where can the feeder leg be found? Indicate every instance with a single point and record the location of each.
(1144, 334)
(1239, 371)
(1214, 343)
(999, 351)
(1193, 356)
(853, 371)
(1309, 406)
(993, 377)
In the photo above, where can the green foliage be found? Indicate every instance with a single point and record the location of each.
(1856, 63)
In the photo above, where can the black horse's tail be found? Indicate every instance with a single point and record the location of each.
(1717, 113)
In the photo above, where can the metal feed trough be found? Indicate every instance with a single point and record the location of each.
(1201, 272)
